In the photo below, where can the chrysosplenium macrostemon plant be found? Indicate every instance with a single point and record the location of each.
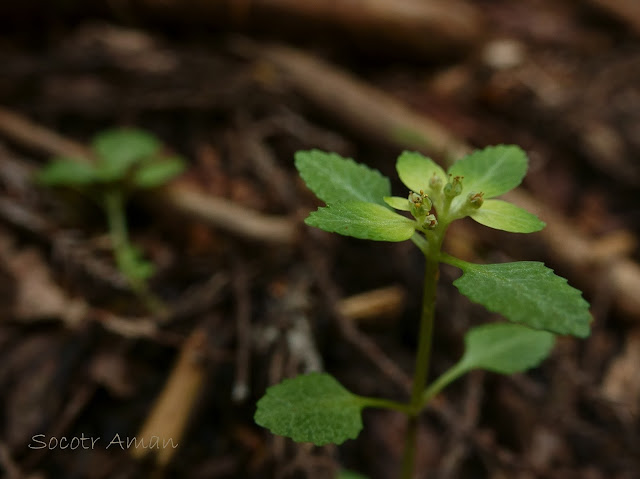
(537, 303)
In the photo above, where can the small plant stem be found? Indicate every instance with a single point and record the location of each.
(114, 205)
(439, 384)
(115, 210)
(432, 253)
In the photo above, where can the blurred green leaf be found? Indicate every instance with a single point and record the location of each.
(67, 172)
(119, 150)
(158, 172)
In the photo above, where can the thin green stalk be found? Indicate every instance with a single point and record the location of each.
(423, 355)
(386, 404)
(439, 384)
(115, 210)
(114, 205)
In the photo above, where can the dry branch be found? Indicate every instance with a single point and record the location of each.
(427, 27)
(387, 301)
(21, 130)
(356, 104)
(627, 11)
(230, 216)
(167, 420)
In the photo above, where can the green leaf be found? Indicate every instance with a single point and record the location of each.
(118, 150)
(493, 170)
(311, 408)
(362, 220)
(525, 292)
(334, 179)
(505, 348)
(506, 216)
(67, 172)
(158, 172)
(416, 170)
(397, 203)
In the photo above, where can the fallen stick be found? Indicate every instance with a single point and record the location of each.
(359, 105)
(223, 213)
(418, 27)
(163, 429)
(626, 11)
(24, 131)
(381, 302)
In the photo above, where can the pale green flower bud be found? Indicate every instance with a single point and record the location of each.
(430, 222)
(435, 182)
(476, 199)
(453, 187)
(419, 204)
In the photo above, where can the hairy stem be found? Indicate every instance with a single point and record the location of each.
(424, 351)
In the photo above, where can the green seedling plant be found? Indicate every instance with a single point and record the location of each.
(123, 161)
(538, 304)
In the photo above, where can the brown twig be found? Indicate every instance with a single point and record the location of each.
(39, 138)
(358, 105)
(266, 166)
(423, 27)
(230, 216)
(168, 419)
(387, 301)
(627, 11)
